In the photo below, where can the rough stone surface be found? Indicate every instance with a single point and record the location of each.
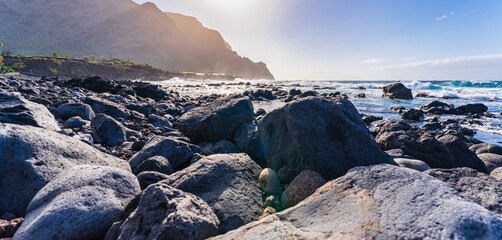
(413, 114)
(248, 140)
(165, 212)
(80, 203)
(412, 163)
(157, 164)
(176, 151)
(497, 173)
(109, 108)
(473, 108)
(486, 148)
(304, 185)
(269, 182)
(148, 178)
(378, 202)
(111, 132)
(224, 146)
(75, 122)
(16, 109)
(8, 228)
(479, 187)
(30, 157)
(437, 107)
(228, 183)
(397, 91)
(216, 121)
(69, 110)
(491, 160)
(461, 153)
(320, 134)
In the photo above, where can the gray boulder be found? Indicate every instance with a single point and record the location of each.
(75, 122)
(304, 185)
(177, 152)
(109, 108)
(486, 148)
(412, 163)
(479, 187)
(497, 173)
(378, 202)
(228, 183)
(397, 91)
(16, 109)
(216, 121)
(69, 110)
(165, 212)
(30, 157)
(111, 132)
(80, 203)
(413, 114)
(320, 134)
(248, 140)
(208, 148)
(157, 164)
(148, 178)
(491, 160)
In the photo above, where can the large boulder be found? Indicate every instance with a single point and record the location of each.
(448, 151)
(165, 212)
(472, 108)
(216, 121)
(80, 203)
(248, 140)
(177, 152)
(210, 148)
(437, 107)
(379, 202)
(479, 187)
(486, 148)
(30, 157)
(320, 134)
(228, 183)
(156, 164)
(16, 109)
(304, 185)
(397, 91)
(69, 110)
(413, 114)
(111, 132)
(109, 108)
(491, 160)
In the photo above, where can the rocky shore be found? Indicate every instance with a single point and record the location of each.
(92, 158)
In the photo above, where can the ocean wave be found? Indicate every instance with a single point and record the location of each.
(469, 84)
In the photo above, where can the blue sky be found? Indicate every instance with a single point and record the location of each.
(359, 39)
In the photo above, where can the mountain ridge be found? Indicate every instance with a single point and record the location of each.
(141, 33)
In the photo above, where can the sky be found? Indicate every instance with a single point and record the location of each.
(359, 39)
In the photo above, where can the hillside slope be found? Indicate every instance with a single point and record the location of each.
(123, 29)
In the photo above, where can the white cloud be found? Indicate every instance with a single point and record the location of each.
(441, 18)
(443, 61)
(452, 13)
(374, 60)
(408, 59)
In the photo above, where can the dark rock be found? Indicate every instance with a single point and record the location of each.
(413, 114)
(216, 121)
(486, 148)
(157, 164)
(157, 120)
(152, 91)
(437, 107)
(324, 135)
(304, 185)
(228, 183)
(397, 91)
(109, 108)
(360, 95)
(461, 154)
(164, 212)
(69, 110)
(491, 160)
(75, 122)
(148, 178)
(176, 151)
(379, 202)
(80, 203)
(308, 94)
(95, 84)
(111, 132)
(9, 227)
(479, 187)
(398, 109)
(248, 140)
(472, 108)
(224, 146)
(30, 157)
(368, 119)
(432, 126)
(412, 163)
(138, 145)
(423, 95)
(16, 109)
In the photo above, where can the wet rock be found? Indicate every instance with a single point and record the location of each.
(69, 110)
(397, 91)
(9, 227)
(368, 119)
(379, 202)
(111, 132)
(109, 108)
(437, 107)
(30, 157)
(479, 187)
(320, 134)
(157, 164)
(412, 163)
(80, 203)
(175, 151)
(269, 182)
(360, 95)
(224, 146)
(486, 148)
(472, 108)
(304, 185)
(152, 91)
(216, 121)
(75, 122)
(16, 109)
(165, 212)
(228, 183)
(491, 160)
(413, 114)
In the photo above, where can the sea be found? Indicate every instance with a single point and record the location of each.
(452, 92)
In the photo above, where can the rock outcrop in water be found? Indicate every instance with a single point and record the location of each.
(397, 91)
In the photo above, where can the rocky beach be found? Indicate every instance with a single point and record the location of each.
(98, 158)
